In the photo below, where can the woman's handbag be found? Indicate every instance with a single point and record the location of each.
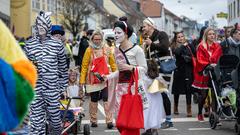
(157, 86)
(167, 63)
(130, 115)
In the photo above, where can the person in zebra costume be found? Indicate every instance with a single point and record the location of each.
(49, 57)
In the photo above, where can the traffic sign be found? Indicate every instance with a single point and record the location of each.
(222, 15)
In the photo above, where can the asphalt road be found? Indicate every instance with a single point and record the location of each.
(182, 125)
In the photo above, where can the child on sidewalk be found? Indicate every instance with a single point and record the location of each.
(154, 115)
(74, 90)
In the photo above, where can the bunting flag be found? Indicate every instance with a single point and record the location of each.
(17, 80)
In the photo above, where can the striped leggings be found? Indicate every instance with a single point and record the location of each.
(45, 109)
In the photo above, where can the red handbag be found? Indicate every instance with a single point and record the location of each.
(130, 115)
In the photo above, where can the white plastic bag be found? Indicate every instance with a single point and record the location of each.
(75, 50)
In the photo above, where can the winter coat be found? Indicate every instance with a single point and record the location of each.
(160, 44)
(82, 48)
(183, 74)
(230, 47)
(204, 59)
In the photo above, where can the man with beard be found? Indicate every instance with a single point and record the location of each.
(50, 60)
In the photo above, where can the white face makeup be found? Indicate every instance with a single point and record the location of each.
(119, 35)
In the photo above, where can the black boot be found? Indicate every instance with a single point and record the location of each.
(110, 125)
(147, 132)
(154, 132)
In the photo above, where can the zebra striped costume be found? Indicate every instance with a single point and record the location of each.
(50, 59)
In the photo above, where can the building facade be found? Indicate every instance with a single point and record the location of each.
(24, 12)
(233, 12)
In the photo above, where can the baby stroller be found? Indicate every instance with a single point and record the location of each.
(236, 83)
(223, 92)
(72, 118)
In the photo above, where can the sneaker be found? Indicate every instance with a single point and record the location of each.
(219, 123)
(200, 117)
(110, 125)
(94, 124)
(166, 124)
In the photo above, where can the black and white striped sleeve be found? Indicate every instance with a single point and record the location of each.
(62, 69)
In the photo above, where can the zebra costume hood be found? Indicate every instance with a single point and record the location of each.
(44, 20)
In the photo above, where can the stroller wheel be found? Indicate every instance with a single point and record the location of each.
(86, 129)
(236, 128)
(213, 120)
(195, 97)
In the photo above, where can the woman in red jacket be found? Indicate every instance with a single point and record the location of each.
(208, 53)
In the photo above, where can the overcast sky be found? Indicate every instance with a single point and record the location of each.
(199, 10)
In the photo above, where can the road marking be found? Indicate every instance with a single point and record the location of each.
(169, 129)
(99, 121)
(111, 130)
(185, 120)
(195, 129)
(101, 109)
(175, 120)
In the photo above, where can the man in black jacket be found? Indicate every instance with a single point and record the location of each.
(83, 46)
(158, 43)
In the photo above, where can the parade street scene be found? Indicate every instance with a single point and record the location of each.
(119, 67)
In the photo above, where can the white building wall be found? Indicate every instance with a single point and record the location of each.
(169, 26)
(91, 22)
(158, 22)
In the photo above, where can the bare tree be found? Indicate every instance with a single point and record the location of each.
(74, 13)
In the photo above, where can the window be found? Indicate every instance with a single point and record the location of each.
(238, 8)
(229, 13)
(36, 4)
(43, 5)
(51, 5)
(60, 5)
(138, 6)
(234, 9)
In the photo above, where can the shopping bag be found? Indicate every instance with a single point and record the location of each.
(75, 49)
(142, 91)
(130, 115)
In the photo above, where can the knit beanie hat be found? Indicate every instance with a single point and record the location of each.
(57, 29)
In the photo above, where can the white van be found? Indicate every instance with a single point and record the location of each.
(108, 33)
